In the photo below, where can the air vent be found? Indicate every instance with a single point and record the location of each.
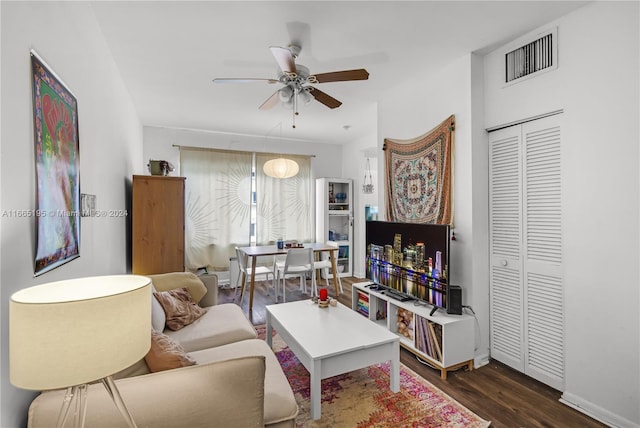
(532, 58)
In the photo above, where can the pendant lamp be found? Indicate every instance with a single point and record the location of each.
(281, 168)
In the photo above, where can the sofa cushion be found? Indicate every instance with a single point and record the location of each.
(179, 308)
(219, 325)
(165, 354)
(158, 317)
(279, 401)
(173, 280)
(137, 369)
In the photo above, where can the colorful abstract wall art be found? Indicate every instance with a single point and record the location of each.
(55, 114)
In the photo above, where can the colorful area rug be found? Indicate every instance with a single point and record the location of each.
(362, 398)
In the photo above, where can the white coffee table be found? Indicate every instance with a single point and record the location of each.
(334, 340)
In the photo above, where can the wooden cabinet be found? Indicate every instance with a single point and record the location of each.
(157, 224)
(445, 341)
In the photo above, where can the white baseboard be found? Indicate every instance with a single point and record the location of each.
(596, 412)
(359, 274)
(480, 360)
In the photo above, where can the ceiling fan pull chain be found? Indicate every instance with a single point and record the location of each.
(295, 107)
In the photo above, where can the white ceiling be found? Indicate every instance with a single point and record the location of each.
(169, 51)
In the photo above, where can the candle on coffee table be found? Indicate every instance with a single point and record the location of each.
(323, 294)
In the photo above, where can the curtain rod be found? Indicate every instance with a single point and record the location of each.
(211, 149)
(529, 119)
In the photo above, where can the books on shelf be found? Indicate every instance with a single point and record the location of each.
(363, 304)
(429, 338)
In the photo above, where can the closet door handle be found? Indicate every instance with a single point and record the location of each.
(504, 263)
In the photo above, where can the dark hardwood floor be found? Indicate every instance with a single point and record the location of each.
(495, 392)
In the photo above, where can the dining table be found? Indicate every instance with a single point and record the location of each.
(256, 251)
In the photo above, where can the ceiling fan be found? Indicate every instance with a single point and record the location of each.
(297, 80)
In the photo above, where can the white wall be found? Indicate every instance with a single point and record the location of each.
(67, 37)
(159, 142)
(412, 109)
(597, 85)
(356, 154)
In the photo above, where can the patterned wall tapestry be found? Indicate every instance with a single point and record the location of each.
(419, 176)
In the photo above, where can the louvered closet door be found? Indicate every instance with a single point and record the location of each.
(544, 297)
(527, 324)
(505, 191)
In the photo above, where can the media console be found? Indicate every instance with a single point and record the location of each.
(444, 341)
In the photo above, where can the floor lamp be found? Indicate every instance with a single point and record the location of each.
(67, 334)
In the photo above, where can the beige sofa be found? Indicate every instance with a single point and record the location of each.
(236, 382)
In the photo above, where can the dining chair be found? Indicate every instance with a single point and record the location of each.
(279, 264)
(298, 262)
(243, 265)
(324, 264)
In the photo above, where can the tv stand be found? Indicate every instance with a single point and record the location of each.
(444, 341)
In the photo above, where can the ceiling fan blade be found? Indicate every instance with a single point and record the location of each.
(325, 99)
(270, 102)
(342, 76)
(284, 58)
(242, 80)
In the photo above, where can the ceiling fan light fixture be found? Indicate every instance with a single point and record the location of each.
(281, 168)
(286, 94)
(306, 97)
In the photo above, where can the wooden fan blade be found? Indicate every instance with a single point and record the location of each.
(243, 80)
(342, 76)
(284, 58)
(271, 101)
(325, 99)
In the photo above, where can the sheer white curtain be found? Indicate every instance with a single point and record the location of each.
(217, 205)
(283, 206)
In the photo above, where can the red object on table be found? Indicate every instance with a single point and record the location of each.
(323, 294)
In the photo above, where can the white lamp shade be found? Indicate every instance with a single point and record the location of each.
(281, 168)
(285, 94)
(72, 332)
(306, 97)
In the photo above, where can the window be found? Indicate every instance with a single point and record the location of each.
(230, 202)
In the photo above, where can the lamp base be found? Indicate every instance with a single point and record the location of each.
(77, 396)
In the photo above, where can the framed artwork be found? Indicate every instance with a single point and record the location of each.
(55, 118)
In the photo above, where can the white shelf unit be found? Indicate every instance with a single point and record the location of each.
(451, 337)
(334, 219)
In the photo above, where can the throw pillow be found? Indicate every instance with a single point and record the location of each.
(165, 354)
(179, 307)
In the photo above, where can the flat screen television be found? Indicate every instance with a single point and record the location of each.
(409, 260)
